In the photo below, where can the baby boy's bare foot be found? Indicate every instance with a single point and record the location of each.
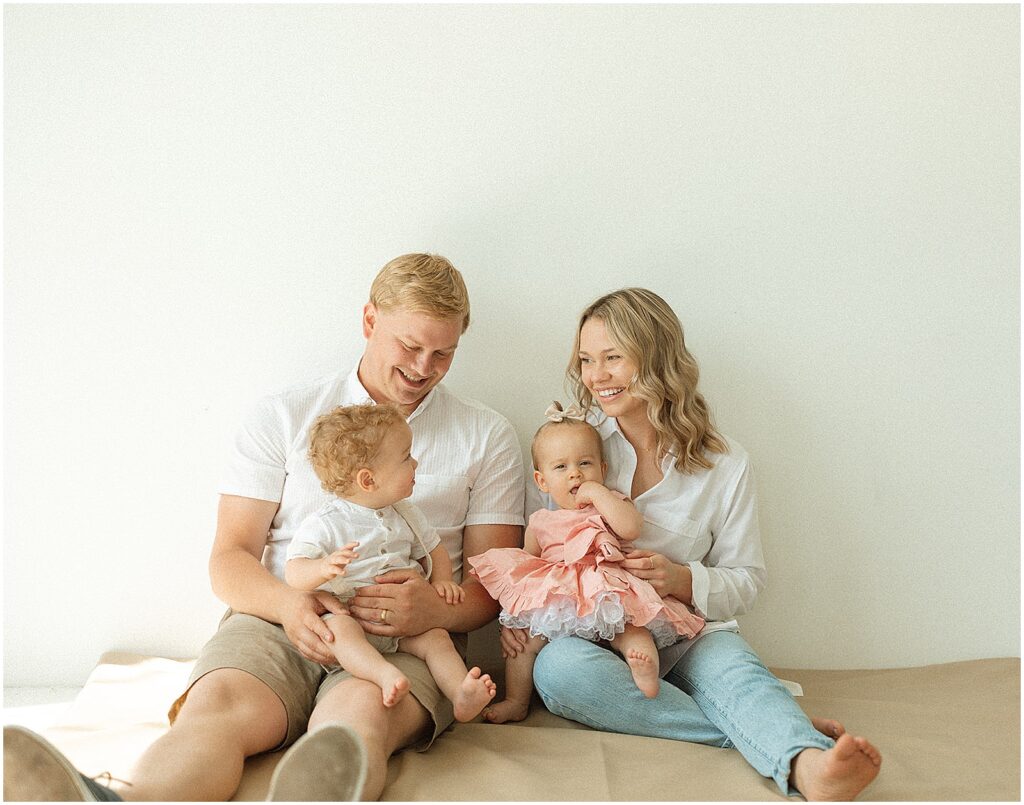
(837, 774)
(393, 685)
(828, 726)
(506, 710)
(645, 672)
(475, 692)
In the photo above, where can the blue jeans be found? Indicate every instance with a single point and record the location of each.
(719, 693)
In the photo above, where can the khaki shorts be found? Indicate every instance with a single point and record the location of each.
(251, 644)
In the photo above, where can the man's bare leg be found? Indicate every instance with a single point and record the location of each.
(229, 715)
(384, 730)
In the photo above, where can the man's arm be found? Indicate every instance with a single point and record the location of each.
(241, 581)
(414, 606)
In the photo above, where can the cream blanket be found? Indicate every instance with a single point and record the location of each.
(947, 732)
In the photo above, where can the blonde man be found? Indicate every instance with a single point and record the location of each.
(258, 684)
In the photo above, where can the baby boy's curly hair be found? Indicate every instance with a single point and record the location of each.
(346, 439)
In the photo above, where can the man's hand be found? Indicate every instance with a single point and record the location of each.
(401, 604)
(451, 592)
(303, 625)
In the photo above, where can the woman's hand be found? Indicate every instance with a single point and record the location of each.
(664, 575)
(400, 604)
(303, 625)
(513, 641)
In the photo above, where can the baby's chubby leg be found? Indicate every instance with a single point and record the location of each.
(518, 685)
(362, 660)
(636, 645)
(469, 691)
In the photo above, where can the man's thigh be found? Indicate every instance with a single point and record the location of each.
(340, 699)
(262, 650)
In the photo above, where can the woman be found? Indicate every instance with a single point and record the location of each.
(701, 544)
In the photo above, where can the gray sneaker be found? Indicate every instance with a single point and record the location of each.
(326, 765)
(36, 771)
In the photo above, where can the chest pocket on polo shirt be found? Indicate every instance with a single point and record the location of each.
(668, 530)
(444, 499)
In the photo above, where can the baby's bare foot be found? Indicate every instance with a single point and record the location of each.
(506, 710)
(475, 692)
(837, 774)
(645, 672)
(828, 726)
(394, 685)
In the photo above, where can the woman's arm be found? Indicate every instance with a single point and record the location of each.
(618, 512)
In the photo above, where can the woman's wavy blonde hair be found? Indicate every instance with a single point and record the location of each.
(346, 439)
(422, 283)
(644, 327)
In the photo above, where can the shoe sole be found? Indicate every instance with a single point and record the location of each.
(36, 771)
(326, 765)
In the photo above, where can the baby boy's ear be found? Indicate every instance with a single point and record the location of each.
(364, 480)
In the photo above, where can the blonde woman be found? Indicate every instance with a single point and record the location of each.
(699, 543)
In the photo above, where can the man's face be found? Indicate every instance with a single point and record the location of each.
(407, 354)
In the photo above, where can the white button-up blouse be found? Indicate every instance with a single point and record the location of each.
(706, 520)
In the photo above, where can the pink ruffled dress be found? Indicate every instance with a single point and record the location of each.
(576, 587)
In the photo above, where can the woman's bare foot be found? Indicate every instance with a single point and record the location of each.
(829, 727)
(645, 672)
(475, 692)
(506, 710)
(393, 685)
(837, 774)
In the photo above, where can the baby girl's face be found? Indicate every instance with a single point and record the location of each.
(568, 455)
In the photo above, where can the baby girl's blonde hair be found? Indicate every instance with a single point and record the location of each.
(347, 439)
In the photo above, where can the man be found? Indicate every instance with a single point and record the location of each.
(258, 683)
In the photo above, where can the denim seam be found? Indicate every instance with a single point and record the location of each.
(723, 713)
(780, 770)
(583, 719)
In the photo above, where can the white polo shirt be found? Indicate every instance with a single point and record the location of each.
(707, 520)
(470, 465)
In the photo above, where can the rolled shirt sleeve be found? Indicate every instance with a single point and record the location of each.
(728, 579)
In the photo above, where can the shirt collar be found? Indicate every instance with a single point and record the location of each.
(355, 393)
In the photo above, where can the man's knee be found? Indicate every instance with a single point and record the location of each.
(234, 695)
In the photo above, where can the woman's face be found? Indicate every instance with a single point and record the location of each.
(607, 372)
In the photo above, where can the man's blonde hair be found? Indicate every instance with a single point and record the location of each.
(423, 283)
(645, 328)
(347, 439)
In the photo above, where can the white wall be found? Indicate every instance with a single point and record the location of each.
(196, 199)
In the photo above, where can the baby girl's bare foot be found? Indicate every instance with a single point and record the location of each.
(475, 692)
(506, 710)
(645, 673)
(837, 774)
(828, 726)
(393, 685)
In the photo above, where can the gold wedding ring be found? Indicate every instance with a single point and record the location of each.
(651, 559)
(383, 616)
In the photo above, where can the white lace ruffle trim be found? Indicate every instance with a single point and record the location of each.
(560, 619)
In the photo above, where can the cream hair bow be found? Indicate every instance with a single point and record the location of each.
(556, 413)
